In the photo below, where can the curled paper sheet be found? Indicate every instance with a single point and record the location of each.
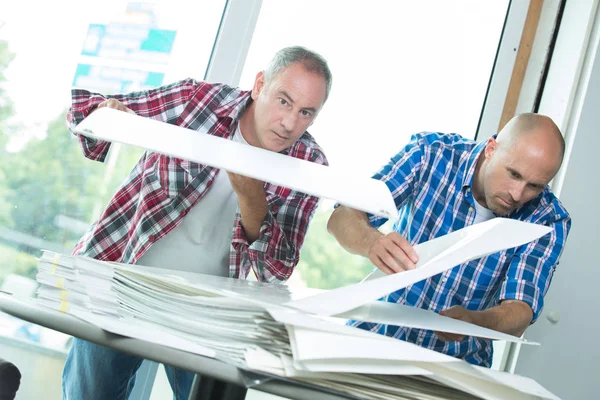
(382, 312)
(365, 194)
(435, 256)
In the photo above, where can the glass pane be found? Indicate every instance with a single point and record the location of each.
(399, 67)
(50, 193)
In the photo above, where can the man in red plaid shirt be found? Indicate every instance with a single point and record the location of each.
(172, 213)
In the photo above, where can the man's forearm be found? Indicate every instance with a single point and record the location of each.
(512, 317)
(253, 211)
(352, 230)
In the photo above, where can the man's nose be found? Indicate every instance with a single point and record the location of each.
(516, 193)
(289, 121)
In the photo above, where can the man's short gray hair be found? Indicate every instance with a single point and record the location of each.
(312, 61)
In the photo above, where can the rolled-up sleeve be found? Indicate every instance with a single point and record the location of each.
(274, 255)
(532, 268)
(400, 175)
(165, 103)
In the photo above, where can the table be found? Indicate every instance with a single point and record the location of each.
(220, 380)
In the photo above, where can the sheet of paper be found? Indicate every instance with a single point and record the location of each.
(313, 337)
(360, 366)
(402, 315)
(408, 388)
(435, 256)
(330, 372)
(483, 387)
(312, 344)
(206, 285)
(521, 383)
(364, 194)
(129, 329)
(403, 384)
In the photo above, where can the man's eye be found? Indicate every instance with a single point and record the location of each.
(283, 102)
(306, 113)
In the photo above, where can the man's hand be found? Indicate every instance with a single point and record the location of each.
(460, 313)
(246, 187)
(115, 104)
(391, 253)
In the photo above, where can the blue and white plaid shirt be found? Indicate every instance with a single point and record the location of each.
(431, 181)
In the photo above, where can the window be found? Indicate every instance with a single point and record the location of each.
(50, 193)
(398, 68)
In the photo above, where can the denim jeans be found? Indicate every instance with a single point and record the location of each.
(94, 372)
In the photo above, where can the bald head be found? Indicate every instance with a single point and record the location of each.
(518, 164)
(535, 129)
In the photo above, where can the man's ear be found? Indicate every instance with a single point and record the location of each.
(490, 148)
(259, 84)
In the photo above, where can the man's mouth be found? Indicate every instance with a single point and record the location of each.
(280, 136)
(506, 204)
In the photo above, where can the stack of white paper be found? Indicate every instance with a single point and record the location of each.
(271, 329)
(226, 325)
(67, 282)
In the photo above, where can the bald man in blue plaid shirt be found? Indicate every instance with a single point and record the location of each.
(442, 183)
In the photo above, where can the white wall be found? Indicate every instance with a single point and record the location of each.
(567, 363)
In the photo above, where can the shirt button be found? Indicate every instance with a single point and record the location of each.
(444, 279)
(151, 238)
(182, 213)
(470, 209)
(420, 340)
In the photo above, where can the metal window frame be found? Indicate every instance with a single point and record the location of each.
(500, 77)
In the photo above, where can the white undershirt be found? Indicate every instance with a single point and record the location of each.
(201, 242)
(482, 214)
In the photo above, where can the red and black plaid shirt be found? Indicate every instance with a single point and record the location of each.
(161, 190)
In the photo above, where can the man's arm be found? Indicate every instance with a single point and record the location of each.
(164, 103)
(272, 224)
(511, 317)
(527, 280)
(253, 203)
(356, 231)
(390, 253)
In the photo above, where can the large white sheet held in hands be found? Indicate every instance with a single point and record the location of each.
(435, 256)
(365, 194)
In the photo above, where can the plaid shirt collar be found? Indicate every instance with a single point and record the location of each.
(234, 108)
(472, 158)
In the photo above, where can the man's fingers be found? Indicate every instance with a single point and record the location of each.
(382, 266)
(115, 104)
(391, 262)
(392, 253)
(399, 254)
(404, 244)
(449, 337)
